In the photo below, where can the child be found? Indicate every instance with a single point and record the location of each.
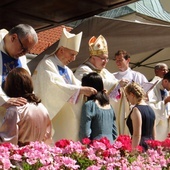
(97, 117)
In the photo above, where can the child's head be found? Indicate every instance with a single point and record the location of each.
(94, 80)
(18, 83)
(134, 92)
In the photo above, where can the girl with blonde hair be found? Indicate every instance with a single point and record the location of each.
(141, 120)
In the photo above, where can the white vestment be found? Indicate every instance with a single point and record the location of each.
(123, 107)
(131, 75)
(155, 79)
(108, 79)
(161, 110)
(55, 94)
(3, 97)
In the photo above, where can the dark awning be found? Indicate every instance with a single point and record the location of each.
(45, 14)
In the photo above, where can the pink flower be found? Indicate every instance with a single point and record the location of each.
(98, 154)
(93, 167)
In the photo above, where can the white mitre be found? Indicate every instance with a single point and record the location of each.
(70, 41)
(98, 46)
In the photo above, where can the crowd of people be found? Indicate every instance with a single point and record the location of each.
(56, 103)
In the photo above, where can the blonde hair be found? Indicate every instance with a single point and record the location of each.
(136, 90)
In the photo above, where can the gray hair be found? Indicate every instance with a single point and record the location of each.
(23, 30)
(160, 65)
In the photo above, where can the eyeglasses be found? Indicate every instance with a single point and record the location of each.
(22, 46)
(103, 58)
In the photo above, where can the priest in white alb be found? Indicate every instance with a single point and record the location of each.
(59, 90)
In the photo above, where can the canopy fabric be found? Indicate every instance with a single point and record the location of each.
(136, 38)
(131, 36)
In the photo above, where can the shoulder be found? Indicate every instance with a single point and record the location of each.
(137, 73)
(115, 73)
(3, 32)
(107, 71)
(135, 109)
(23, 58)
(11, 112)
(46, 62)
(82, 68)
(135, 112)
(89, 103)
(89, 108)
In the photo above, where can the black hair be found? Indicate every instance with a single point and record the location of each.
(94, 80)
(167, 76)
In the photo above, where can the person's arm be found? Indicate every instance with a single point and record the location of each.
(157, 104)
(167, 99)
(85, 122)
(82, 70)
(9, 129)
(48, 135)
(137, 123)
(87, 91)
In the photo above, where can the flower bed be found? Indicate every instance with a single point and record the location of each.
(89, 155)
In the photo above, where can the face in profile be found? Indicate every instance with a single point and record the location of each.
(20, 46)
(100, 62)
(66, 55)
(121, 62)
(161, 71)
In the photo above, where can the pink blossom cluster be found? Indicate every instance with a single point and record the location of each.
(89, 155)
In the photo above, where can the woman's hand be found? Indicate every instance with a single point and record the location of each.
(19, 101)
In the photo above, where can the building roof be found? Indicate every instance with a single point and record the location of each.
(150, 8)
(47, 38)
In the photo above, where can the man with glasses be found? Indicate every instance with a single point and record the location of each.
(97, 62)
(160, 70)
(14, 45)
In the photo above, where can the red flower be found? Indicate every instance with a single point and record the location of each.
(86, 141)
(166, 143)
(126, 142)
(106, 153)
(7, 145)
(154, 143)
(62, 143)
(22, 150)
(105, 141)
